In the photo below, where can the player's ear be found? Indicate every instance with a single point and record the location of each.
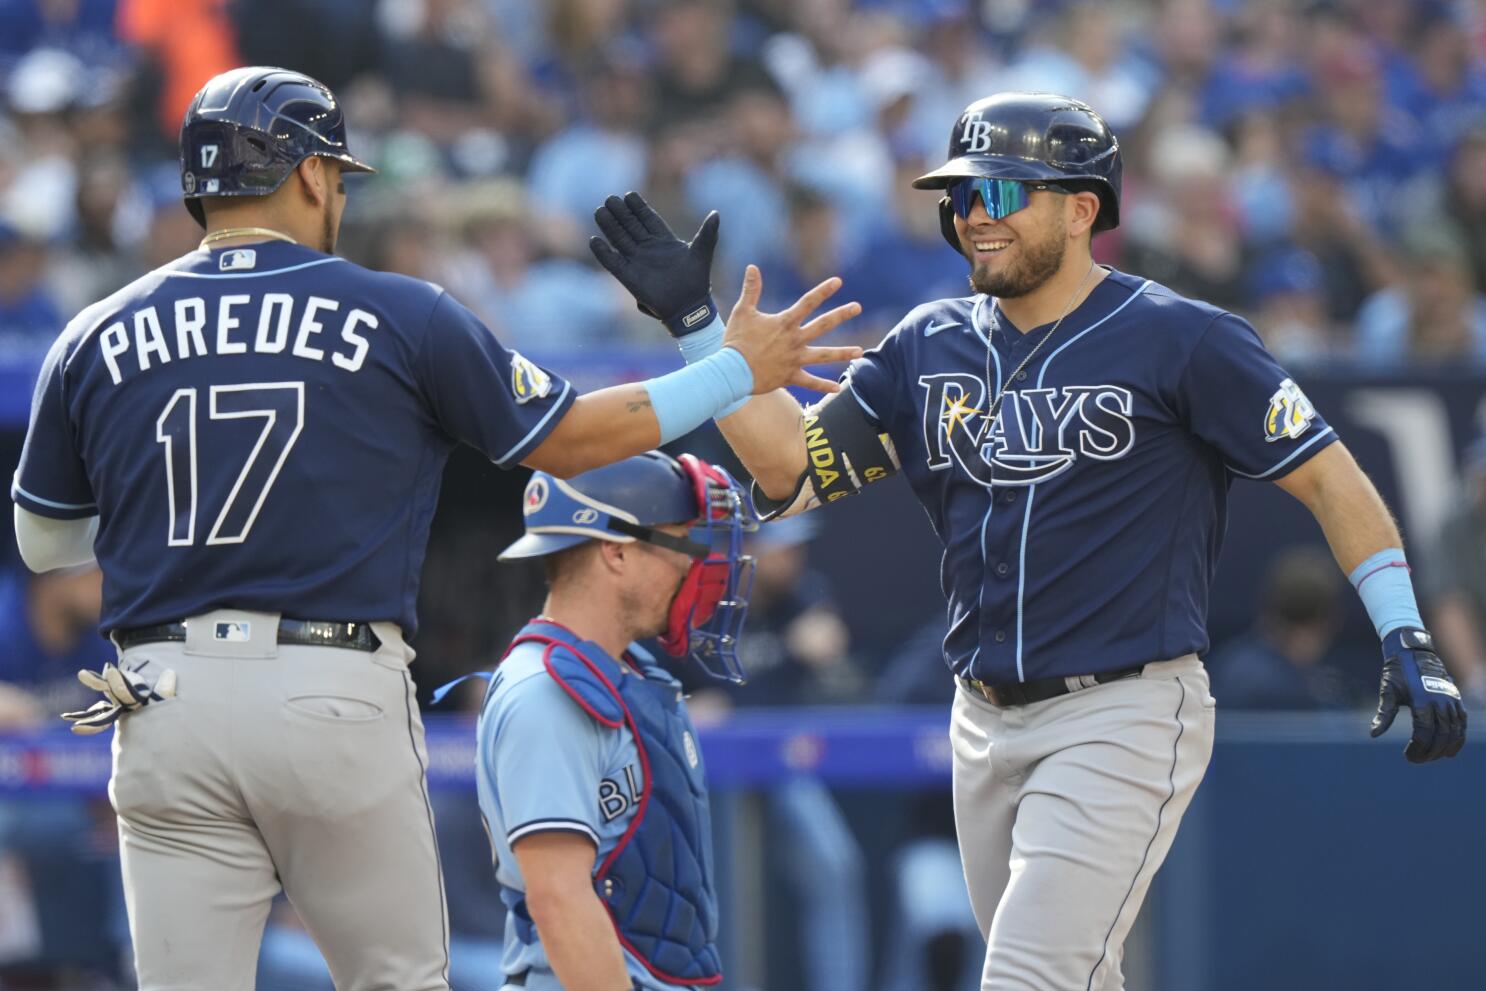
(314, 177)
(1081, 210)
(613, 554)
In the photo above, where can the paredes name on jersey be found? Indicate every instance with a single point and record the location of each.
(257, 323)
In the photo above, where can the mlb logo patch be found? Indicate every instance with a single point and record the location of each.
(238, 260)
(210, 185)
(233, 632)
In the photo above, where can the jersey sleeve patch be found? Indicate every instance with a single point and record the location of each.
(1290, 413)
(528, 380)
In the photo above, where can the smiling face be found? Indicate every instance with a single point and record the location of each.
(1019, 253)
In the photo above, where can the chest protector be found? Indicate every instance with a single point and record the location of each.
(657, 882)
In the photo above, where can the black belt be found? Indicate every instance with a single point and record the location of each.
(302, 632)
(1026, 692)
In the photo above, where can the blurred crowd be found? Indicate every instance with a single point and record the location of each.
(1319, 167)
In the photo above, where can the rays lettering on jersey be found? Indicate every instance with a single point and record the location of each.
(1038, 433)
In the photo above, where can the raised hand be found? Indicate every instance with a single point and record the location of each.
(777, 345)
(671, 279)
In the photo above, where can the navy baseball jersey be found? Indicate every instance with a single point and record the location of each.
(1082, 528)
(265, 428)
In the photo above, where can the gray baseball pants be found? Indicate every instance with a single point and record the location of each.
(290, 767)
(1065, 810)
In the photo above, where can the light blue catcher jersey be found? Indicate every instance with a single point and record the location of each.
(544, 765)
(1081, 529)
(266, 427)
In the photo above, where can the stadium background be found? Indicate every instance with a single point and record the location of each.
(1319, 167)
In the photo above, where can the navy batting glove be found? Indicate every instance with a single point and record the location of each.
(671, 279)
(1414, 675)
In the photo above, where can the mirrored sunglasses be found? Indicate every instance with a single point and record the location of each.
(1002, 197)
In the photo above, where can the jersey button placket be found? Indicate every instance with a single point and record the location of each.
(1001, 541)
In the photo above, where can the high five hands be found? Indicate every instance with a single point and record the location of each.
(778, 345)
(671, 279)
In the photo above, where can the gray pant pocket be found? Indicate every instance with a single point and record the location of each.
(335, 708)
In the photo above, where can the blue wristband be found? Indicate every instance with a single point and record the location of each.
(1383, 583)
(704, 343)
(689, 397)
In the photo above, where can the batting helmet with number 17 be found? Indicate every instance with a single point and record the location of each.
(248, 128)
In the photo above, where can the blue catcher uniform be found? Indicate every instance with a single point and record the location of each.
(572, 739)
(261, 432)
(569, 741)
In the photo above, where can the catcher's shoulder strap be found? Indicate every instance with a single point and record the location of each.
(584, 680)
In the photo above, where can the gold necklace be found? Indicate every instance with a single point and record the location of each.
(228, 232)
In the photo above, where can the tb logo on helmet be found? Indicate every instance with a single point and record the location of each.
(976, 137)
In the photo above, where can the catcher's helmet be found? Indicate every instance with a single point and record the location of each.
(1037, 137)
(248, 128)
(627, 501)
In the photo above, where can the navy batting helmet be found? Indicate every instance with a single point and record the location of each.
(248, 128)
(1036, 137)
(627, 501)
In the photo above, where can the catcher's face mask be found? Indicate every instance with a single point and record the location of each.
(1002, 197)
(708, 611)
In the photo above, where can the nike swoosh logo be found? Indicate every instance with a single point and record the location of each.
(935, 327)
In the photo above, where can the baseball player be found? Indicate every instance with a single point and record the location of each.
(589, 776)
(1073, 432)
(250, 441)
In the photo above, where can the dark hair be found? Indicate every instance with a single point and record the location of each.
(563, 564)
